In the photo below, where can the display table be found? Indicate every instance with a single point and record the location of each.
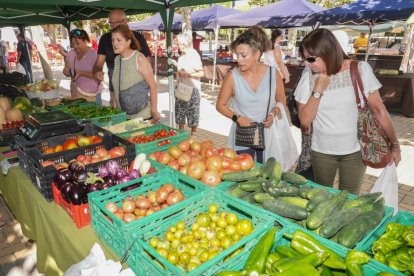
(59, 243)
(397, 92)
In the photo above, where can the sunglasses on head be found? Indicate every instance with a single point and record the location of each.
(310, 59)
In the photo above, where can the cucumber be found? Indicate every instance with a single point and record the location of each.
(236, 191)
(294, 178)
(318, 199)
(250, 198)
(339, 219)
(303, 190)
(285, 209)
(277, 172)
(363, 199)
(252, 185)
(267, 168)
(268, 184)
(283, 191)
(298, 201)
(314, 192)
(352, 233)
(240, 176)
(261, 197)
(321, 213)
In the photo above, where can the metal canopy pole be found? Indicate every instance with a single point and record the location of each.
(215, 58)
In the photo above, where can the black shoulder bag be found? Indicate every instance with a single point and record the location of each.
(253, 136)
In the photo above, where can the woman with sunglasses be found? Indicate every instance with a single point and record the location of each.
(327, 104)
(79, 67)
(133, 81)
(275, 56)
(247, 88)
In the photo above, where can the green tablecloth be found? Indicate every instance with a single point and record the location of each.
(59, 243)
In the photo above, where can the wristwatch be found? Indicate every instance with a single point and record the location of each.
(235, 117)
(316, 94)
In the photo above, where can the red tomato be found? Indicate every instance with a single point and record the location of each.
(211, 178)
(245, 160)
(116, 152)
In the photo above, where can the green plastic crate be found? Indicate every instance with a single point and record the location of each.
(144, 260)
(151, 147)
(369, 269)
(99, 121)
(112, 230)
(60, 107)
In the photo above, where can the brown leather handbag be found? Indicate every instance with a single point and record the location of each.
(375, 146)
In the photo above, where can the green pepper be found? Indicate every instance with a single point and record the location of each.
(306, 244)
(271, 258)
(393, 231)
(287, 251)
(380, 258)
(257, 259)
(408, 235)
(325, 271)
(354, 261)
(305, 269)
(314, 259)
(229, 273)
(401, 260)
(386, 245)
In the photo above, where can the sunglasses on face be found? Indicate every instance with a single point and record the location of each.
(310, 59)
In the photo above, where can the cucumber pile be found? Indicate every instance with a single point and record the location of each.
(331, 215)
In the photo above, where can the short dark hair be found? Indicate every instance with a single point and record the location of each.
(322, 43)
(128, 35)
(78, 33)
(275, 34)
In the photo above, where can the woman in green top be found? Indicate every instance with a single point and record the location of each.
(134, 84)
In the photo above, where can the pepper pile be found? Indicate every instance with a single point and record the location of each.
(395, 247)
(304, 256)
(85, 112)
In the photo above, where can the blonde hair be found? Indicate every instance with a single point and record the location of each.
(255, 37)
(185, 40)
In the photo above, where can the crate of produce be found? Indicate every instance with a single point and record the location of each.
(79, 213)
(146, 260)
(51, 144)
(155, 138)
(294, 242)
(66, 102)
(42, 168)
(96, 114)
(114, 231)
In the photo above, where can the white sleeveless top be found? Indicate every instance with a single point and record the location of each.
(335, 124)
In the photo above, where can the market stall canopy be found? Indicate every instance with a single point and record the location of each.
(285, 13)
(367, 12)
(210, 18)
(155, 23)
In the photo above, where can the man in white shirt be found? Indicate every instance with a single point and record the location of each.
(4, 55)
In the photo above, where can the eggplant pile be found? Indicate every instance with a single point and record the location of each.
(74, 182)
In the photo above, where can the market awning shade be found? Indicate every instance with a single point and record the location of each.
(155, 23)
(210, 18)
(365, 11)
(285, 13)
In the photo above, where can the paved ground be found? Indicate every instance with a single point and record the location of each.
(18, 254)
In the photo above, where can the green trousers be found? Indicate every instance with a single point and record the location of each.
(350, 166)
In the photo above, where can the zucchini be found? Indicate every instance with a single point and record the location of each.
(294, 178)
(298, 201)
(261, 197)
(339, 219)
(321, 213)
(267, 168)
(240, 176)
(252, 185)
(285, 209)
(236, 191)
(352, 233)
(318, 199)
(283, 191)
(303, 190)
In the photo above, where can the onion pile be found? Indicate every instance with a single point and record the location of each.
(133, 209)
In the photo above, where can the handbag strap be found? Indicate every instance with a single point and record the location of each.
(270, 90)
(119, 81)
(357, 84)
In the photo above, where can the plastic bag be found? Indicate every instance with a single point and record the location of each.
(20, 69)
(279, 141)
(95, 264)
(387, 184)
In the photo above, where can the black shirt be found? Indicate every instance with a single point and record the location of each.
(21, 47)
(105, 48)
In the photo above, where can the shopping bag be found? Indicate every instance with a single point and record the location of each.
(279, 141)
(20, 69)
(183, 92)
(387, 184)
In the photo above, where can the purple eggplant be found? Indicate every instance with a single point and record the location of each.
(104, 186)
(110, 180)
(76, 166)
(65, 190)
(80, 177)
(75, 195)
(94, 187)
(63, 175)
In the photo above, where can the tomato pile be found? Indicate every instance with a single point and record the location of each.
(133, 209)
(211, 233)
(202, 161)
(79, 141)
(13, 124)
(157, 135)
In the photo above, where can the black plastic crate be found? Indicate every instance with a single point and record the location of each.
(42, 177)
(23, 145)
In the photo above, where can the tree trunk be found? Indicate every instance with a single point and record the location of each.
(292, 37)
(37, 34)
(186, 28)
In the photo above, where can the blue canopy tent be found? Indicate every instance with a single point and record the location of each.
(366, 12)
(155, 23)
(285, 13)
